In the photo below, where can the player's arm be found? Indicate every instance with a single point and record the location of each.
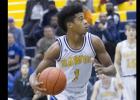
(95, 91)
(117, 64)
(117, 61)
(49, 59)
(106, 67)
(118, 87)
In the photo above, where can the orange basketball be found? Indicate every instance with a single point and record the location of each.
(54, 80)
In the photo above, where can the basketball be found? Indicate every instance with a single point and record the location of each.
(54, 80)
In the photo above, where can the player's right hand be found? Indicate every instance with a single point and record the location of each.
(35, 84)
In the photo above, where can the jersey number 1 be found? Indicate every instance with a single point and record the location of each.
(76, 73)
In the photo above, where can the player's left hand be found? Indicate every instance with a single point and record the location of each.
(100, 69)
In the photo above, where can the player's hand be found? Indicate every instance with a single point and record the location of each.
(37, 95)
(100, 69)
(35, 84)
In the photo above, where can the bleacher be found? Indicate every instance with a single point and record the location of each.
(16, 9)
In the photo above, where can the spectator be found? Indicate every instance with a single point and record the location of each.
(10, 84)
(86, 10)
(106, 1)
(22, 88)
(33, 14)
(101, 3)
(87, 3)
(18, 33)
(105, 29)
(87, 15)
(112, 15)
(52, 10)
(114, 2)
(37, 30)
(43, 44)
(100, 28)
(113, 20)
(15, 54)
(122, 1)
(54, 23)
(25, 61)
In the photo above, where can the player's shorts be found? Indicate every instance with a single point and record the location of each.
(129, 92)
(69, 96)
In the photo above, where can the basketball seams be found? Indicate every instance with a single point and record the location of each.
(52, 78)
(47, 77)
(56, 80)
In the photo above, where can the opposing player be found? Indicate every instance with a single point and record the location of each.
(125, 62)
(72, 53)
(107, 88)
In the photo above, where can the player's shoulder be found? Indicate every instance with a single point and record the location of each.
(53, 51)
(96, 41)
(121, 43)
(55, 45)
(60, 37)
(93, 37)
(98, 82)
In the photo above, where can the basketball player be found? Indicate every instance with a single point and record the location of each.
(125, 62)
(73, 53)
(107, 88)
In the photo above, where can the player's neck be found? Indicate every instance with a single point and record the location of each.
(131, 41)
(75, 38)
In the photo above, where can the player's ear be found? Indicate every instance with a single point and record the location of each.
(69, 25)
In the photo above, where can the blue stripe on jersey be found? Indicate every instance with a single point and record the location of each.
(75, 50)
(53, 98)
(60, 44)
(90, 42)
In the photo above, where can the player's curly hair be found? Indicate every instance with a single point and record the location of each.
(67, 14)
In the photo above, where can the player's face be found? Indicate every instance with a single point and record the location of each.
(86, 24)
(78, 25)
(130, 33)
